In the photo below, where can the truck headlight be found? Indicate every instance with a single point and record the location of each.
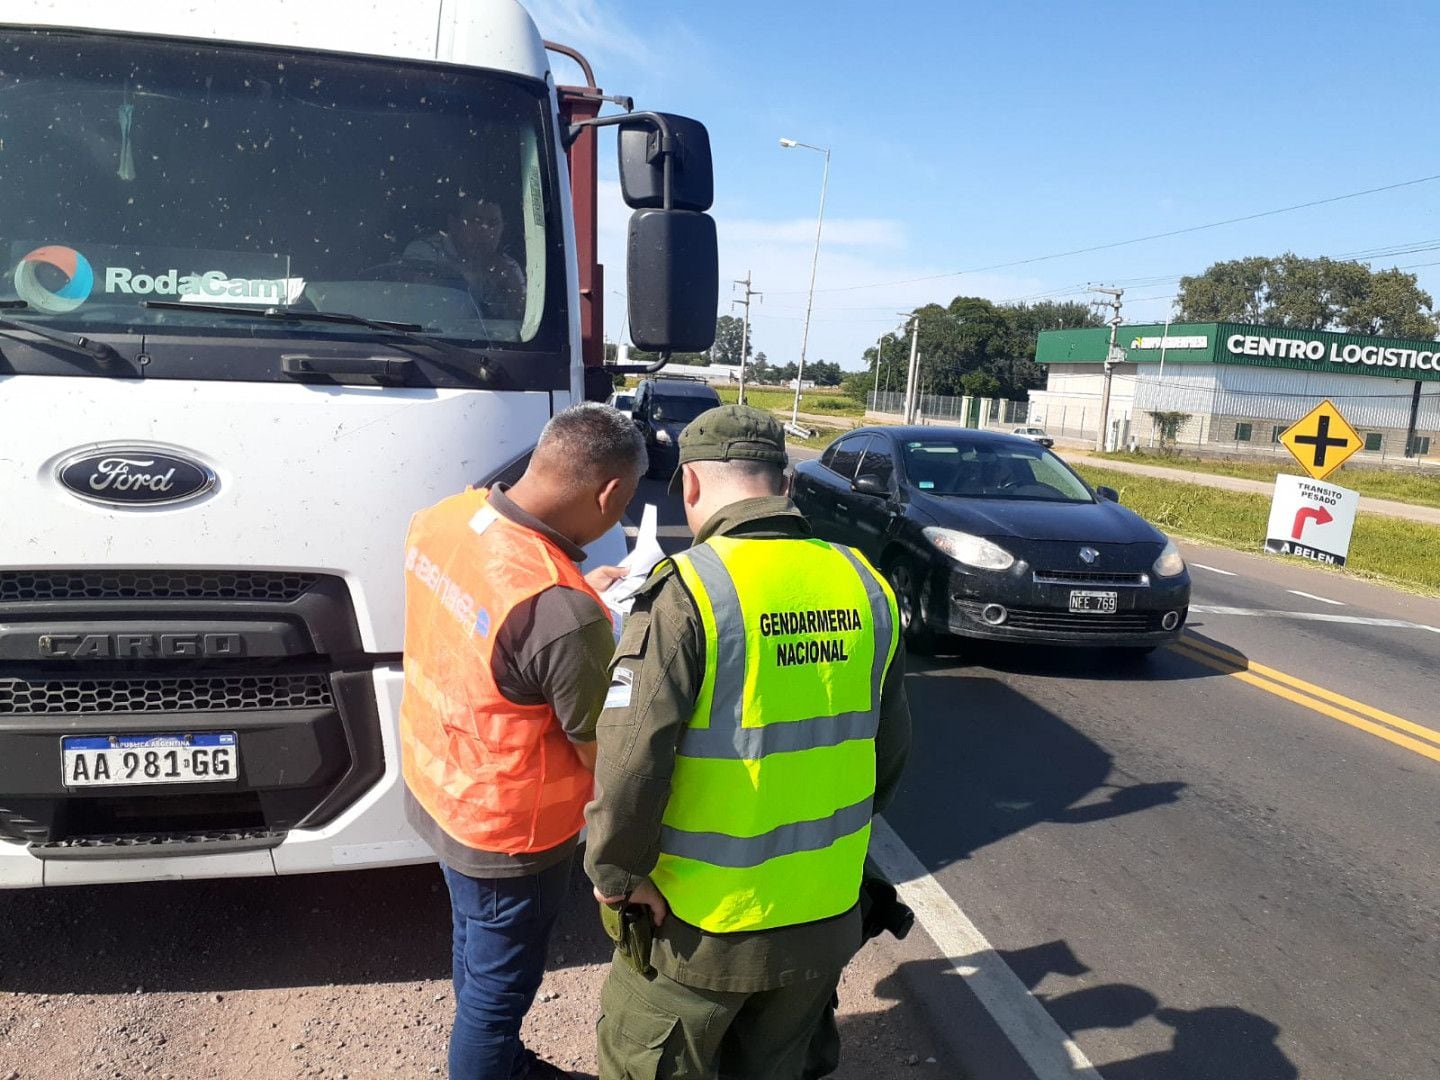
(973, 551)
(1170, 563)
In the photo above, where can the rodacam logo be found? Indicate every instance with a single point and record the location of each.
(54, 261)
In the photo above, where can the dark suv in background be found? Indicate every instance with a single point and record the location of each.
(662, 409)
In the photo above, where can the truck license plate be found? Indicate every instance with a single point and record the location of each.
(1085, 602)
(122, 760)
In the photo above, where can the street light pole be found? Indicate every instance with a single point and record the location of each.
(790, 144)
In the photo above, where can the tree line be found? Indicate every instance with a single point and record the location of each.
(974, 346)
(1309, 294)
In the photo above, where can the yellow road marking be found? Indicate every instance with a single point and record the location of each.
(1315, 698)
(1320, 692)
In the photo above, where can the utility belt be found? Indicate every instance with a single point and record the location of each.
(881, 911)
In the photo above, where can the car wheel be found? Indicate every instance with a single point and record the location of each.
(906, 583)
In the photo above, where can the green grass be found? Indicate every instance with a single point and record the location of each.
(1392, 550)
(1411, 486)
(822, 438)
(811, 401)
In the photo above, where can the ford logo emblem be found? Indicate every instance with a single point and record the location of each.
(1088, 554)
(134, 475)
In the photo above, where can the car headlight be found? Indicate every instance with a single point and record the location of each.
(662, 437)
(1170, 563)
(973, 551)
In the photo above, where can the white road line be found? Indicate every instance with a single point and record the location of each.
(1215, 569)
(1312, 596)
(1308, 616)
(1044, 1045)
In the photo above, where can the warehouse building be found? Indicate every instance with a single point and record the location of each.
(1237, 387)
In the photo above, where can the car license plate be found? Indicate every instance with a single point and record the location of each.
(1092, 603)
(122, 760)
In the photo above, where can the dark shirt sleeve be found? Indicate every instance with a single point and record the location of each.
(557, 649)
(892, 739)
(655, 679)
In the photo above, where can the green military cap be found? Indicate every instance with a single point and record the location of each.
(731, 433)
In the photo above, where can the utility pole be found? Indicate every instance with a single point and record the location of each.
(745, 328)
(1112, 357)
(910, 395)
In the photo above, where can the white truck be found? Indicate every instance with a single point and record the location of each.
(273, 276)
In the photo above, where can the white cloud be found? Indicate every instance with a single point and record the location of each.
(590, 26)
(843, 324)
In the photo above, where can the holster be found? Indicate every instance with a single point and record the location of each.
(881, 908)
(630, 928)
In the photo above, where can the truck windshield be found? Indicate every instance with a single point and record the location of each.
(137, 170)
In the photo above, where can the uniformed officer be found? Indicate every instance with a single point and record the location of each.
(756, 720)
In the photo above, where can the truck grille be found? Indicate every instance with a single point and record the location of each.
(229, 693)
(19, 586)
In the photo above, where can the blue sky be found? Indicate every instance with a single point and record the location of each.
(966, 135)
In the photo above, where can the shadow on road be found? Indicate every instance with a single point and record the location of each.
(992, 762)
(1208, 1042)
(369, 926)
(1100, 665)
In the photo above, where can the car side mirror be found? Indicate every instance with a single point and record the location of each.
(870, 485)
(1109, 494)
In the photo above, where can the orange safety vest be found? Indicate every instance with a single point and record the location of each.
(495, 775)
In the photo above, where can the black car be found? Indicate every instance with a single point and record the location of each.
(661, 410)
(992, 536)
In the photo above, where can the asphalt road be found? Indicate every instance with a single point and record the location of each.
(1220, 863)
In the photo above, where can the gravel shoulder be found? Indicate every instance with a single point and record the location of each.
(334, 975)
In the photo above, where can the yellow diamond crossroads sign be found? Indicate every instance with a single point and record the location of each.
(1322, 441)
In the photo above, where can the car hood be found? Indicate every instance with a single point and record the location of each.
(1095, 523)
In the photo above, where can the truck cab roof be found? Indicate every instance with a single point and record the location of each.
(495, 34)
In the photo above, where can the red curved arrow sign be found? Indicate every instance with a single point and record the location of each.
(1317, 514)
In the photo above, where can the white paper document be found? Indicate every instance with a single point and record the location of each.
(643, 557)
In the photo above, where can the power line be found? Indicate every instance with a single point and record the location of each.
(1137, 239)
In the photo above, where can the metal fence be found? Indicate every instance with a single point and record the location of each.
(965, 411)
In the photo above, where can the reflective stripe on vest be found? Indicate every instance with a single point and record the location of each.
(494, 775)
(769, 816)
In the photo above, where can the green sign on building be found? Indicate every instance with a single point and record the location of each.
(1252, 346)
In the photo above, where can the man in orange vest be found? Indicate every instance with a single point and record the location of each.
(507, 648)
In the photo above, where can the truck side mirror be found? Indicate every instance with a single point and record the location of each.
(673, 282)
(667, 176)
(645, 146)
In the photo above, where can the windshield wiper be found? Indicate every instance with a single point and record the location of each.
(79, 343)
(291, 315)
(407, 332)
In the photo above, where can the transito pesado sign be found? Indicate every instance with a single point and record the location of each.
(1322, 440)
(1311, 520)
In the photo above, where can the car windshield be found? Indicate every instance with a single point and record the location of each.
(142, 170)
(986, 470)
(679, 410)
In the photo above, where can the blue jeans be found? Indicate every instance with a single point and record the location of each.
(501, 935)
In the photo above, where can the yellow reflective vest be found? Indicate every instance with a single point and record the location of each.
(768, 819)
